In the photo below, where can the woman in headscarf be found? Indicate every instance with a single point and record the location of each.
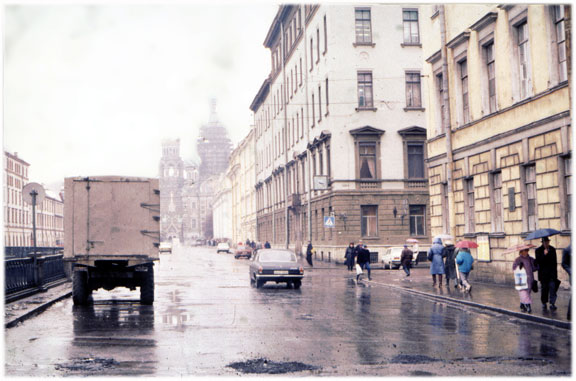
(435, 255)
(526, 262)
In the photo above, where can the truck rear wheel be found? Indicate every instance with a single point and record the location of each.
(80, 291)
(147, 287)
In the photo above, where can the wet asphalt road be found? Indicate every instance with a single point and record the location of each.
(208, 320)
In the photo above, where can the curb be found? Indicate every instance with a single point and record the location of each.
(36, 310)
(538, 319)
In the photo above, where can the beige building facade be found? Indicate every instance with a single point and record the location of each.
(340, 129)
(18, 222)
(499, 126)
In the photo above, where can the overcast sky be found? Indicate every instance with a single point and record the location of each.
(93, 89)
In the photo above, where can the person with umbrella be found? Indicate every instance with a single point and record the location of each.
(526, 262)
(547, 264)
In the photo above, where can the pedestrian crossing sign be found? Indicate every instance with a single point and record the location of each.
(329, 222)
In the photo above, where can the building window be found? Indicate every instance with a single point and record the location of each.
(369, 220)
(317, 45)
(441, 103)
(300, 71)
(313, 111)
(530, 183)
(325, 35)
(367, 160)
(497, 223)
(491, 75)
(568, 191)
(365, 90)
(559, 27)
(311, 54)
(415, 161)
(326, 89)
(363, 26)
(328, 160)
(523, 59)
(411, 33)
(319, 103)
(463, 65)
(413, 94)
(445, 208)
(417, 218)
(470, 215)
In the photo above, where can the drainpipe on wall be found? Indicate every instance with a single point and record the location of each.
(309, 151)
(285, 136)
(448, 124)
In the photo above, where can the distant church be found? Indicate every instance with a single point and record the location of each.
(186, 190)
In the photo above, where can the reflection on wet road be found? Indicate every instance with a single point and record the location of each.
(206, 317)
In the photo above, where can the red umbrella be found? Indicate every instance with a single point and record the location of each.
(519, 247)
(466, 244)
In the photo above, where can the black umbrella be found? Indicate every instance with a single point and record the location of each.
(541, 233)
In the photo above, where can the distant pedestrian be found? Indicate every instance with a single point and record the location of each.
(436, 264)
(566, 265)
(406, 259)
(309, 252)
(450, 262)
(266, 245)
(363, 259)
(526, 262)
(547, 273)
(464, 261)
(350, 250)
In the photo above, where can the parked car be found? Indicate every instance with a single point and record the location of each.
(243, 251)
(223, 246)
(274, 265)
(165, 247)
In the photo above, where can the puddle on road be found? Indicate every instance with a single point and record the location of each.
(412, 359)
(88, 364)
(265, 366)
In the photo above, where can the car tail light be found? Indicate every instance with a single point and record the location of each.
(301, 270)
(260, 269)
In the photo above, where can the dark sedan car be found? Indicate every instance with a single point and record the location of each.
(272, 265)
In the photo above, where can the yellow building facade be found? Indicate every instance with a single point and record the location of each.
(499, 126)
(242, 174)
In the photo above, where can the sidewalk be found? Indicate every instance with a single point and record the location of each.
(489, 296)
(22, 309)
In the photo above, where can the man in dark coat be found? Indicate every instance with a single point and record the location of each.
(350, 254)
(406, 259)
(566, 265)
(547, 272)
(309, 254)
(363, 259)
(450, 262)
(267, 245)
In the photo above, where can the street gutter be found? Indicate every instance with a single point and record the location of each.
(521, 315)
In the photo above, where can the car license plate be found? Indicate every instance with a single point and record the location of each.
(280, 272)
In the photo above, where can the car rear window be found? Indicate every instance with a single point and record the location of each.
(277, 256)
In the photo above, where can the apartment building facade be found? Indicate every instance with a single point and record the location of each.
(340, 129)
(499, 129)
(18, 223)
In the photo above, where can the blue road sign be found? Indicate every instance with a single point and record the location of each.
(329, 222)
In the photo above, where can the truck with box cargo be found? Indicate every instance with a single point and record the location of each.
(112, 233)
